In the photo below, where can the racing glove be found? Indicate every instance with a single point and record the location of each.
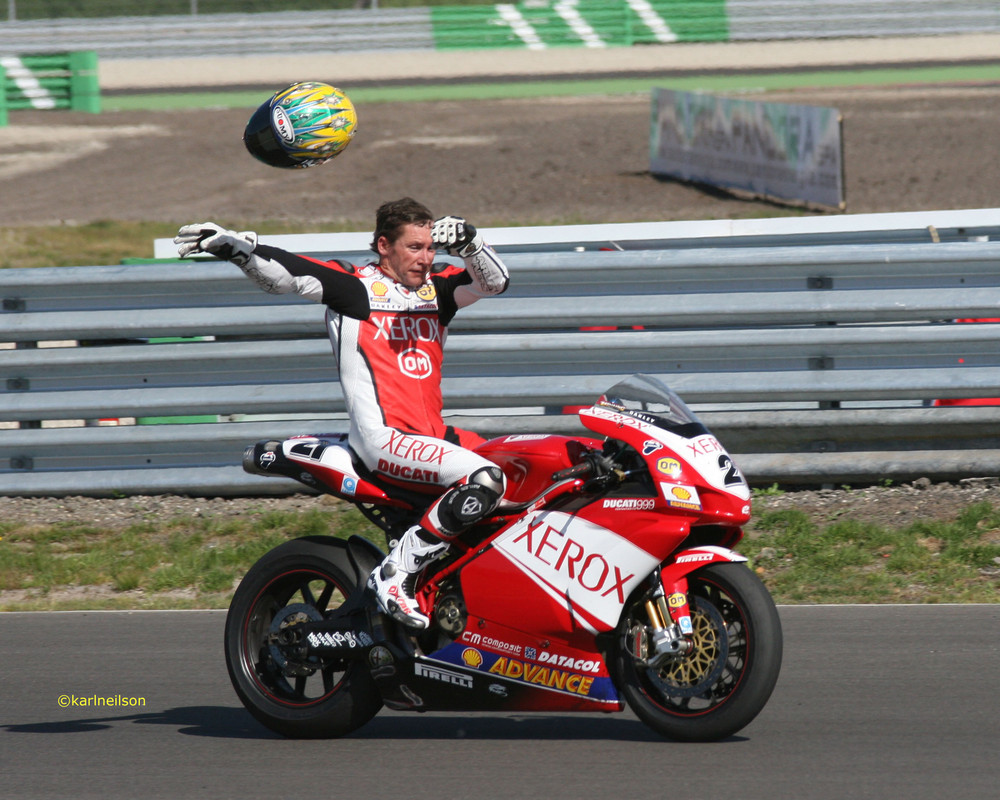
(207, 237)
(456, 236)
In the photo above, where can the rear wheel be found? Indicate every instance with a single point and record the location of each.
(725, 680)
(299, 581)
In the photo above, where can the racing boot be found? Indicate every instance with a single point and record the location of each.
(395, 579)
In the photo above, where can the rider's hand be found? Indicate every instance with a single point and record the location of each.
(456, 236)
(207, 237)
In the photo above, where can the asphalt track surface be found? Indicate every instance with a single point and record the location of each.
(873, 702)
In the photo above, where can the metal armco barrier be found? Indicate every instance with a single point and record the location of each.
(813, 364)
(49, 81)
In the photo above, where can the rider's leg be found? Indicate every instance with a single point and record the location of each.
(395, 579)
(472, 498)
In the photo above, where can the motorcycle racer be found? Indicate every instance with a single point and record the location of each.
(388, 324)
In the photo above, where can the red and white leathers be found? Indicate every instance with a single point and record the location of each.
(388, 323)
(389, 340)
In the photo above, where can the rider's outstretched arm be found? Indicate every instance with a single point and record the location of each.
(277, 271)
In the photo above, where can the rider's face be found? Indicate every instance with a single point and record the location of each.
(409, 258)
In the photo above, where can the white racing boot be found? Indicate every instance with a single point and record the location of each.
(395, 579)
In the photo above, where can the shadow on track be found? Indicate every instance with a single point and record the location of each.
(235, 723)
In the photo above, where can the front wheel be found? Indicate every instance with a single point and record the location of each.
(725, 680)
(299, 581)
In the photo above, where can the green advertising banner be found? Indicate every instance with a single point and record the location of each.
(590, 23)
(51, 81)
(3, 97)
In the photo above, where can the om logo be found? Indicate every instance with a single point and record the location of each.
(415, 363)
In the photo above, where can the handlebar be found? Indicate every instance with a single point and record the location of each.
(593, 464)
(576, 471)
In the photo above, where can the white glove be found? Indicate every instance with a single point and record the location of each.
(207, 237)
(456, 236)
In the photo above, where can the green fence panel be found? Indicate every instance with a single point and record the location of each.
(696, 20)
(84, 91)
(592, 23)
(52, 81)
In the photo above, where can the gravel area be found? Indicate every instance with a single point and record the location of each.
(892, 506)
(888, 506)
(118, 513)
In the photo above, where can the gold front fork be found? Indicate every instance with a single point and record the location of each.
(658, 612)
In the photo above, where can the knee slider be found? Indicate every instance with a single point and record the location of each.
(491, 479)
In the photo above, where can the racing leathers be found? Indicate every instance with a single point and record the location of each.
(388, 340)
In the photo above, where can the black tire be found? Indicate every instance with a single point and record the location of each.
(724, 682)
(332, 699)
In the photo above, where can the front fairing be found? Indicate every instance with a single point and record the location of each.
(689, 466)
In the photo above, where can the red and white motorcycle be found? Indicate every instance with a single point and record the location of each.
(605, 577)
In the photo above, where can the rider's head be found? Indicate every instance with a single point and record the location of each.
(402, 240)
(392, 216)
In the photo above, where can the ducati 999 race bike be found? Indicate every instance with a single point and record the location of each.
(605, 577)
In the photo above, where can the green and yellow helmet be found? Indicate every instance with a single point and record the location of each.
(301, 126)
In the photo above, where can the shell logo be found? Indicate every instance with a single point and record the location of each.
(680, 493)
(472, 657)
(379, 289)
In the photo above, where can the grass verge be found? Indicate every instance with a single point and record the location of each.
(188, 562)
(851, 561)
(184, 562)
(111, 242)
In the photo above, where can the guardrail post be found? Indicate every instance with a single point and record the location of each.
(17, 385)
(84, 91)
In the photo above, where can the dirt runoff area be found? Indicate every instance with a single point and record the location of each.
(505, 162)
